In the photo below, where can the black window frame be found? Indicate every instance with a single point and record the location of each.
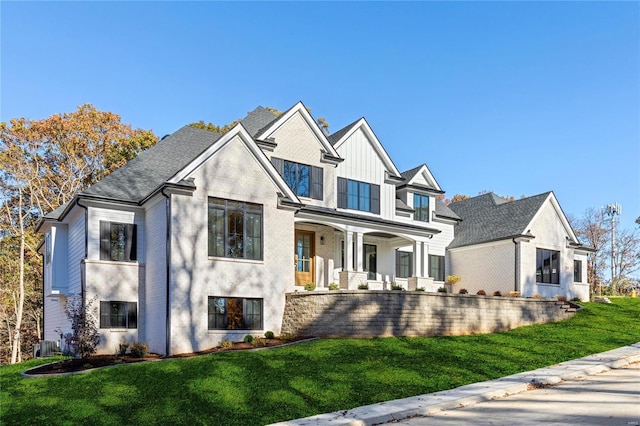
(230, 215)
(351, 189)
(421, 211)
(401, 257)
(371, 268)
(436, 267)
(249, 320)
(577, 271)
(111, 310)
(316, 178)
(546, 275)
(118, 241)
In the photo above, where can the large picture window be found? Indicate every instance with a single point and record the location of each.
(547, 266)
(118, 241)
(421, 207)
(118, 314)
(234, 313)
(304, 180)
(436, 267)
(404, 264)
(577, 271)
(235, 229)
(356, 195)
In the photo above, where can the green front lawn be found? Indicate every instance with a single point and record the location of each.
(302, 380)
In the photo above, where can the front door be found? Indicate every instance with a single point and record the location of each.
(304, 255)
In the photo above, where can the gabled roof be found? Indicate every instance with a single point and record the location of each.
(410, 176)
(342, 135)
(258, 120)
(141, 176)
(442, 210)
(487, 218)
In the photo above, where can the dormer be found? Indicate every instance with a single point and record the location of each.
(418, 192)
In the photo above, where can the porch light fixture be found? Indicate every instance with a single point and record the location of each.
(321, 240)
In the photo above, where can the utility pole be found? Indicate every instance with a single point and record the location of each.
(613, 210)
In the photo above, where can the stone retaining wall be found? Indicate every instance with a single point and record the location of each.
(410, 313)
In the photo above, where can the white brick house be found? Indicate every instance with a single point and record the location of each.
(199, 238)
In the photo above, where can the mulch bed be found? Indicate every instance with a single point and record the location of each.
(74, 365)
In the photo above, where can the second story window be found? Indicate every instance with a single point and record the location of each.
(356, 195)
(421, 207)
(117, 241)
(235, 229)
(304, 180)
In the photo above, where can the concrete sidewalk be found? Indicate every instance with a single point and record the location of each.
(423, 405)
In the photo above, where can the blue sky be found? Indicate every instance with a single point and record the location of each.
(514, 97)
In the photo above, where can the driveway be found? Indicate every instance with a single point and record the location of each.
(608, 398)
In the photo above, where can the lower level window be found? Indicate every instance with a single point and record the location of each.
(436, 267)
(118, 314)
(234, 313)
(547, 266)
(404, 264)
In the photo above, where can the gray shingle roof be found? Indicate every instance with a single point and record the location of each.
(443, 210)
(142, 175)
(258, 120)
(488, 218)
(410, 174)
(335, 137)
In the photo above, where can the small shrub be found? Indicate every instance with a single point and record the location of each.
(269, 335)
(463, 291)
(226, 344)
(122, 348)
(287, 336)
(576, 299)
(420, 289)
(363, 287)
(561, 298)
(139, 350)
(259, 342)
(514, 294)
(310, 286)
(334, 286)
(85, 336)
(452, 279)
(481, 293)
(537, 296)
(497, 293)
(248, 338)
(395, 286)
(442, 290)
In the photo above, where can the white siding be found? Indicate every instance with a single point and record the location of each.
(76, 251)
(231, 174)
(153, 310)
(489, 267)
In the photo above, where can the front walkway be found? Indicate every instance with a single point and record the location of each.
(429, 404)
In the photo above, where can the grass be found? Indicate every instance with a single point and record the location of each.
(302, 380)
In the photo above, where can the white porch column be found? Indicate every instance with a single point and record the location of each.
(359, 251)
(348, 250)
(425, 257)
(417, 259)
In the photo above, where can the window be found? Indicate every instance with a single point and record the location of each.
(118, 241)
(356, 195)
(234, 313)
(235, 229)
(547, 266)
(369, 260)
(404, 264)
(436, 267)
(118, 314)
(577, 271)
(304, 180)
(421, 207)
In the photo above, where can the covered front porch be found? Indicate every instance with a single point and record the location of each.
(352, 251)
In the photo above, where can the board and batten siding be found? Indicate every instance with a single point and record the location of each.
(154, 309)
(76, 251)
(233, 174)
(362, 163)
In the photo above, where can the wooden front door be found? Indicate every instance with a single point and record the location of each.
(304, 256)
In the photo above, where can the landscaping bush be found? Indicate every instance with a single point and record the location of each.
(122, 348)
(514, 294)
(452, 279)
(248, 338)
(395, 286)
(420, 289)
(481, 293)
(259, 342)
(442, 290)
(497, 293)
(561, 298)
(269, 335)
(310, 286)
(463, 291)
(139, 350)
(334, 286)
(226, 344)
(363, 287)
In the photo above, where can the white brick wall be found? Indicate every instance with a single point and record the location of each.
(489, 267)
(153, 311)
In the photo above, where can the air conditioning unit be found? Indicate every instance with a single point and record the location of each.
(46, 348)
